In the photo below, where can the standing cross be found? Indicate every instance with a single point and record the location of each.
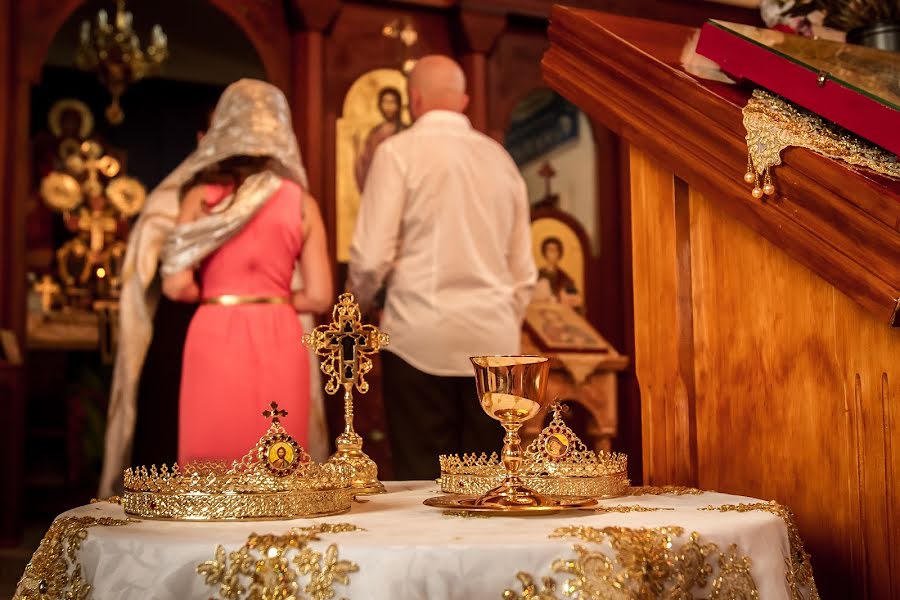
(47, 288)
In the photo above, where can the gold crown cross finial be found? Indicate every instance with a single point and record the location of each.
(274, 413)
(559, 408)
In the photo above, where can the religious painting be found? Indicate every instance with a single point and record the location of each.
(559, 328)
(282, 455)
(375, 108)
(560, 260)
(541, 122)
(557, 446)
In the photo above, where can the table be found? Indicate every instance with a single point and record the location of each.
(391, 546)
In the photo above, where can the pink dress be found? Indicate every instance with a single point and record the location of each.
(238, 359)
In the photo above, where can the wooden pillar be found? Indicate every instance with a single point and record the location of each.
(478, 32)
(308, 96)
(308, 58)
(308, 83)
(14, 185)
(6, 98)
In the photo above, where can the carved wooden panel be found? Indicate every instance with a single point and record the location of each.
(758, 377)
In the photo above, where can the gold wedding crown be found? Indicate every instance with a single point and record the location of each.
(556, 463)
(276, 479)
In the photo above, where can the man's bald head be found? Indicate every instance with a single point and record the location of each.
(436, 83)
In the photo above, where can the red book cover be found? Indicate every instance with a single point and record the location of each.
(856, 87)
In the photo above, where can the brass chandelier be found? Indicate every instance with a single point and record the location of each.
(113, 51)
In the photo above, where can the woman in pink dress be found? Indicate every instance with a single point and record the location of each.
(246, 230)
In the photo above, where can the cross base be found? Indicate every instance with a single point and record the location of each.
(364, 480)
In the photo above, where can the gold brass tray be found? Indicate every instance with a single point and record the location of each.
(467, 503)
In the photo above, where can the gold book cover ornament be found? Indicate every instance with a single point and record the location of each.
(346, 344)
(511, 389)
(276, 479)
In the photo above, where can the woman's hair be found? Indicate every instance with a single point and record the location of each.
(231, 171)
(551, 241)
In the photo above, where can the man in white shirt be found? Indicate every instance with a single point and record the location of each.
(444, 223)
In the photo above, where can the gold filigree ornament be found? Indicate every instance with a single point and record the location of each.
(126, 194)
(346, 344)
(61, 191)
(54, 570)
(276, 479)
(799, 574)
(556, 463)
(642, 563)
(274, 567)
(773, 124)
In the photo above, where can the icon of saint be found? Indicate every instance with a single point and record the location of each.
(562, 286)
(390, 105)
(557, 445)
(281, 462)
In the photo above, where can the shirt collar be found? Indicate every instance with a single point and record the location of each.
(445, 116)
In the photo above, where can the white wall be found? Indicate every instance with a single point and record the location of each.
(575, 181)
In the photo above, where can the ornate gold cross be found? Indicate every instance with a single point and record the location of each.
(346, 344)
(97, 224)
(274, 413)
(91, 161)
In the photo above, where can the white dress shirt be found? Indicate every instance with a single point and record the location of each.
(444, 222)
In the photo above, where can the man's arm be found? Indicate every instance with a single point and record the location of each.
(377, 235)
(520, 257)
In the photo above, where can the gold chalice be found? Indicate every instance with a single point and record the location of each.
(511, 390)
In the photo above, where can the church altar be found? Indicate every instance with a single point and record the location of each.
(650, 544)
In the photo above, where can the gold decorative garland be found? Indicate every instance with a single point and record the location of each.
(799, 568)
(262, 570)
(663, 490)
(773, 124)
(54, 570)
(649, 563)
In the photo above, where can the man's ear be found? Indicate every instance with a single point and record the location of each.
(415, 102)
(464, 102)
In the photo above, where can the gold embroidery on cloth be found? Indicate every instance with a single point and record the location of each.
(663, 490)
(620, 508)
(262, 570)
(648, 563)
(799, 568)
(54, 570)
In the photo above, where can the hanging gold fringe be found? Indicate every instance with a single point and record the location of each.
(773, 124)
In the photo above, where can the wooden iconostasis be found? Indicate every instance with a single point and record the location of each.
(341, 65)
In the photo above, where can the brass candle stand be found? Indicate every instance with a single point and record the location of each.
(345, 345)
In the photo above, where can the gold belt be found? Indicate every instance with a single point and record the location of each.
(234, 300)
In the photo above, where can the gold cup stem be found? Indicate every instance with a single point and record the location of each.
(512, 454)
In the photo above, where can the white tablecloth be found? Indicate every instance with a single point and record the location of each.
(403, 549)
